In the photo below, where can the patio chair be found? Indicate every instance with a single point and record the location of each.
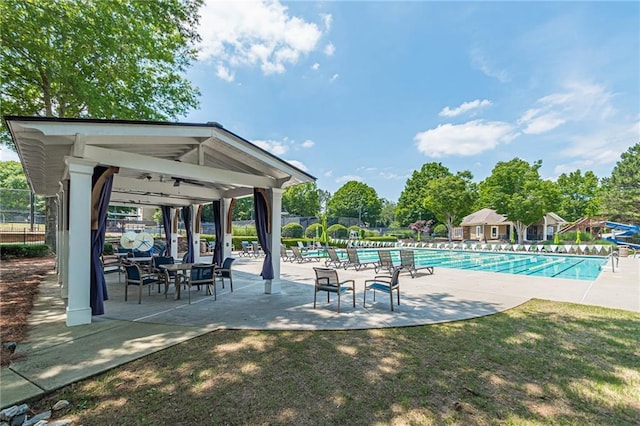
(354, 260)
(385, 261)
(385, 283)
(302, 247)
(284, 255)
(298, 257)
(134, 276)
(255, 249)
(408, 262)
(327, 280)
(334, 260)
(164, 275)
(202, 275)
(225, 272)
(245, 249)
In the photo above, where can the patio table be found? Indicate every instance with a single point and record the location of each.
(180, 269)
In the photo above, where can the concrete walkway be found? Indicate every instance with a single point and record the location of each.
(57, 355)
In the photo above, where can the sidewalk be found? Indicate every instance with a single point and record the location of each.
(57, 355)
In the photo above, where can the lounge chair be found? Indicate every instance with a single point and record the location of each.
(408, 262)
(284, 255)
(354, 260)
(327, 280)
(246, 249)
(386, 262)
(334, 259)
(298, 257)
(384, 283)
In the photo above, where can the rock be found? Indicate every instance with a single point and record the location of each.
(61, 422)
(10, 346)
(8, 414)
(63, 403)
(37, 418)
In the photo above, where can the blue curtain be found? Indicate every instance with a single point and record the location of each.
(166, 223)
(186, 218)
(261, 210)
(98, 286)
(217, 221)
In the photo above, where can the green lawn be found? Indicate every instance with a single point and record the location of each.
(541, 363)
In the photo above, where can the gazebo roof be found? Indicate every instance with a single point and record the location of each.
(483, 217)
(160, 163)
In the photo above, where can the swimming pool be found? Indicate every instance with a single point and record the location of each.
(539, 265)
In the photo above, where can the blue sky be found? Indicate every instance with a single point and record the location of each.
(371, 91)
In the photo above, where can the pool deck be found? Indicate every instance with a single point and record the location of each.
(57, 355)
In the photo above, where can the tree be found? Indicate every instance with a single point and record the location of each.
(410, 204)
(355, 199)
(243, 209)
(451, 198)
(118, 59)
(14, 187)
(621, 191)
(301, 200)
(422, 226)
(515, 190)
(323, 198)
(578, 195)
(388, 213)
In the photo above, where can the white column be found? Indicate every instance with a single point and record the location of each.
(79, 282)
(226, 237)
(544, 232)
(275, 199)
(194, 234)
(64, 240)
(174, 236)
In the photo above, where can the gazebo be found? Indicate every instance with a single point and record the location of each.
(87, 164)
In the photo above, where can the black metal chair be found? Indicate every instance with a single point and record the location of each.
(134, 276)
(225, 272)
(327, 280)
(202, 275)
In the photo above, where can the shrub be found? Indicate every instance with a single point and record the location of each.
(440, 230)
(24, 250)
(338, 231)
(311, 232)
(292, 230)
(245, 231)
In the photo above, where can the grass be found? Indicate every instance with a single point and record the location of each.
(541, 363)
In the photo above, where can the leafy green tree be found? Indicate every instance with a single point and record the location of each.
(515, 190)
(301, 200)
(118, 59)
(243, 208)
(621, 191)
(313, 231)
(355, 199)
(451, 198)
(15, 193)
(338, 231)
(410, 206)
(388, 213)
(578, 195)
(323, 197)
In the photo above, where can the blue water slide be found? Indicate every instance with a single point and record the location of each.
(626, 230)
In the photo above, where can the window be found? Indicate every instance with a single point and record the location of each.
(494, 232)
(478, 231)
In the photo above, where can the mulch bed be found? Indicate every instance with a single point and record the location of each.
(19, 280)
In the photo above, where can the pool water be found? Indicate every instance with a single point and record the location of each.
(539, 265)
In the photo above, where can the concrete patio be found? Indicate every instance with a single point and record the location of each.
(57, 355)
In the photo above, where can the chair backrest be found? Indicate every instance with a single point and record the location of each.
(202, 272)
(395, 277)
(406, 258)
(227, 262)
(326, 276)
(385, 258)
(333, 255)
(353, 255)
(132, 271)
(296, 252)
(283, 250)
(138, 253)
(300, 245)
(163, 260)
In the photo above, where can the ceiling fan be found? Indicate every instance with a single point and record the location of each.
(177, 181)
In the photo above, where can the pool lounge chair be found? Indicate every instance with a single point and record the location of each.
(354, 260)
(334, 260)
(386, 262)
(408, 262)
(298, 257)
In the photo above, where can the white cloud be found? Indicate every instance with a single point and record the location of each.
(334, 78)
(255, 34)
(328, 173)
(329, 49)
(224, 73)
(465, 139)
(298, 164)
(308, 143)
(465, 107)
(348, 178)
(580, 102)
(479, 61)
(328, 20)
(274, 147)
(315, 66)
(391, 176)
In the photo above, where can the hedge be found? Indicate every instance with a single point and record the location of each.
(24, 250)
(292, 230)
